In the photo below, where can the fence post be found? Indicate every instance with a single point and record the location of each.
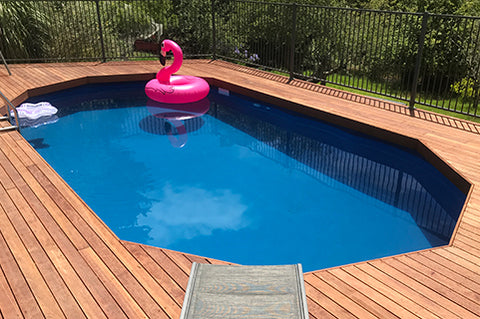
(418, 62)
(292, 41)
(100, 30)
(214, 33)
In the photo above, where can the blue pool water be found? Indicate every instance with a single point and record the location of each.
(246, 182)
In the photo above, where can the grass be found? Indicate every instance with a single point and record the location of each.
(366, 84)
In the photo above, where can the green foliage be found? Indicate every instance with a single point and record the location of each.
(450, 53)
(467, 89)
(432, 6)
(262, 30)
(24, 30)
(125, 21)
(469, 8)
(71, 29)
(320, 39)
(190, 24)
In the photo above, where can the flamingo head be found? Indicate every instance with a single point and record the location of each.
(169, 45)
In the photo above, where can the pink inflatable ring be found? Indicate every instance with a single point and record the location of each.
(175, 89)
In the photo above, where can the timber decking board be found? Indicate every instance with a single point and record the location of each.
(58, 259)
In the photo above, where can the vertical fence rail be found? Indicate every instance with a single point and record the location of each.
(292, 41)
(416, 71)
(100, 30)
(214, 32)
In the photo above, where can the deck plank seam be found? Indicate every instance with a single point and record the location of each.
(32, 193)
(178, 302)
(363, 298)
(470, 261)
(416, 288)
(27, 301)
(55, 251)
(441, 277)
(33, 274)
(49, 212)
(386, 290)
(118, 288)
(175, 259)
(347, 303)
(459, 267)
(45, 267)
(382, 302)
(444, 290)
(394, 287)
(160, 258)
(326, 303)
(180, 286)
(9, 299)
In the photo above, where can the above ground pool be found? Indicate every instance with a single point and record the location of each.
(239, 180)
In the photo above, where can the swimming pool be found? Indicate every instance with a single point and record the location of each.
(246, 182)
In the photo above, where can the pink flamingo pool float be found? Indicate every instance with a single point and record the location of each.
(175, 89)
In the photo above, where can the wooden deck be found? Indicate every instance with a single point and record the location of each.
(58, 259)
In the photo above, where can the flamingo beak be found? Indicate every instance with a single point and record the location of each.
(162, 55)
(162, 59)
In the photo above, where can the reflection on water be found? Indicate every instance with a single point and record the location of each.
(44, 120)
(187, 212)
(38, 143)
(176, 131)
(174, 120)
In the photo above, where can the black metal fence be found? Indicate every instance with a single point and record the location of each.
(418, 58)
(92, 30)
(426, 59)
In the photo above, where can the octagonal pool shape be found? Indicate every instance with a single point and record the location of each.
(237, 179)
